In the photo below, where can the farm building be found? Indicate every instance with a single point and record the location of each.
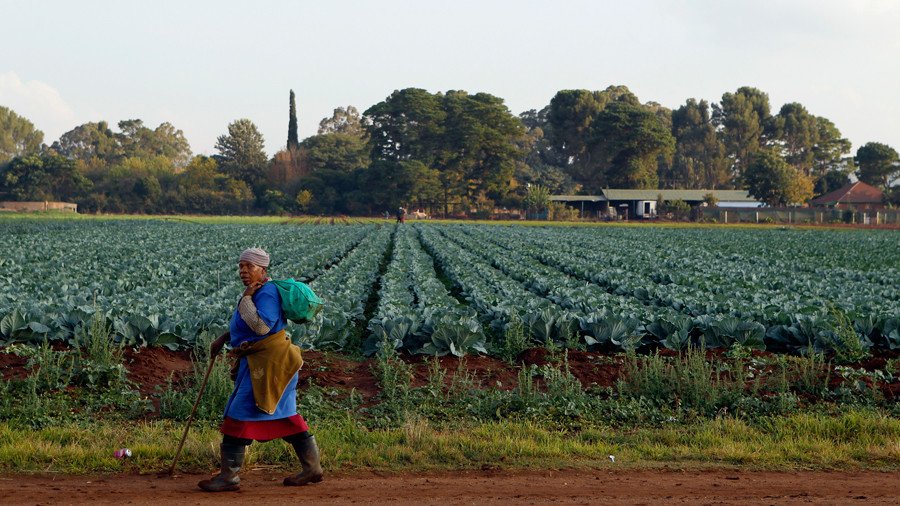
(642, 203)
(587, 205)
(858, 195)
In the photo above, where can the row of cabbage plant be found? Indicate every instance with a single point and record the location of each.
(793, 319)
(415, 312)
(155, 283)
(599, 318)
(345, 289)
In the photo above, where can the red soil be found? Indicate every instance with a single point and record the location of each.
(485, 372)
(13, 366)
(150, 368)
(590, 368)
(619, 486)
(331, 370)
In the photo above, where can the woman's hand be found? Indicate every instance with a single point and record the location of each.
(216, 346)
(252, 288)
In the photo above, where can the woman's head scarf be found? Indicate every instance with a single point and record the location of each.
(256, 256)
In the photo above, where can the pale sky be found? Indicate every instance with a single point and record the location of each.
(202, 64)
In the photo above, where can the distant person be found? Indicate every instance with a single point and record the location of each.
(401, 215)
(263, 405)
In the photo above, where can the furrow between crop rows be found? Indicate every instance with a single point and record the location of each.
(345, 289)
(416, 312)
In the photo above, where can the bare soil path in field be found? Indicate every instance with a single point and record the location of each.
(472, 487)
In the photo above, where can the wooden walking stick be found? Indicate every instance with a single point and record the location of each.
(212, 361)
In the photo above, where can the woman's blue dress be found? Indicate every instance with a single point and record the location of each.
(241, 405)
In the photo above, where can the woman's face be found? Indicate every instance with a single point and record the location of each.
(251, 273)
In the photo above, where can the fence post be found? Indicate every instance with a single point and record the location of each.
(726, 217)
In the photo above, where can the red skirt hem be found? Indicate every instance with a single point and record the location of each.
(265, 430)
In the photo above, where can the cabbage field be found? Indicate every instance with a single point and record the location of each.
(457, 289)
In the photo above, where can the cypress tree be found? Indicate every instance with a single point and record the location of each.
(292, 142)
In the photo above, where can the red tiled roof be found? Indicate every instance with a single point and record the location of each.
(853, 193)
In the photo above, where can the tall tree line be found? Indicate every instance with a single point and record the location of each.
(447, 152)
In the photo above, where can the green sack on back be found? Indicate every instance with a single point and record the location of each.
(298, 301)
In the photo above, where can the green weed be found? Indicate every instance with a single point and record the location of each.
(177, 400)
(847, 344)
(514, 341)
(809, 373)
(688, 382)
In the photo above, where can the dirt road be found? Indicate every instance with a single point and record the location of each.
(472, 487)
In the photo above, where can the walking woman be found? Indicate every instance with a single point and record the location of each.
(263, 405)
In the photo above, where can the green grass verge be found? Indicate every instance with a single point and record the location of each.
(852, 440)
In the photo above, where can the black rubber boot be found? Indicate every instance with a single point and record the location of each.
(227, 479)
(311, 470)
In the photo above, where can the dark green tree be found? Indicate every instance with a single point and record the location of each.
(88, 141)
(390, 185)
(242, 153)
(797, 131)
(629, 140)
(831, 167)
(570, 119)
(407, 125)
(879, 164)
(135, 138)
(480, 145)
(533, 119)
(699, 160)
(18, 136)
(743, 117)
(551, 177)
(45, 176)
(338, 151)
(148, 189)
(831, 149)
(336, 192)
(830, 181)
(570, 115)
(292, 140)
(542, 165)
(472, 140)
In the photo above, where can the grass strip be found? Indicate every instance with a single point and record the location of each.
(854, 440)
